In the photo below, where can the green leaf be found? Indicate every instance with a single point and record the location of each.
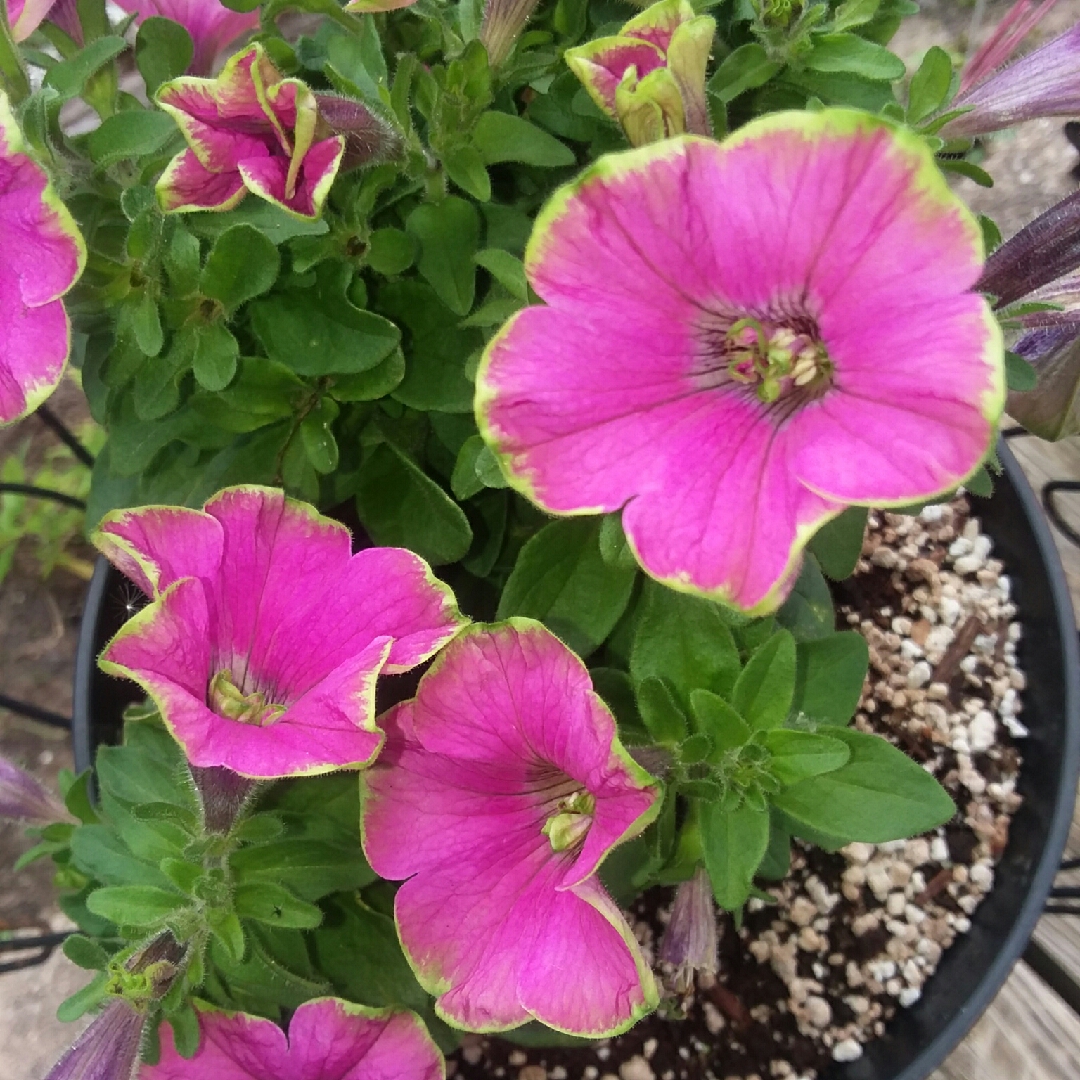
(185, 1027)
(968, 169)
(157, 385)
(130, 134)
(1019, 373)
(262, 391)
(561, 578)
(684, 640)
(734, 844)
(242, 264)
(317, 436)
(508, 270)
(377, 382)
(830, 676)
(879, 795)
(401, 506)
(854, 13)
(766, 685)
(82, 1001)
(86, 953)
(146, 324)
(500, 136)
(808, 612)
(436, 349)
(163, 51)
(930, 85)
(797, 755)
(448, 233)
(981, 483)
(696, 749)
(271, 903)
(390, 251)
(310, 868)
(216, 355)
(182, 261)
(662, 717)
(838, 543)
(464, 165)
(273, 222)
(226, 927)
(777, 862)
(717, 719)
(615, 549)
(615, 687)
(358, 950)
(69, 77)
(853, 55)
(135, 905)
(318, 331)
(746, 68)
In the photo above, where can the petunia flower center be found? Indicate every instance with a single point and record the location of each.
(775, 359)
(230, 701)
(570, 821)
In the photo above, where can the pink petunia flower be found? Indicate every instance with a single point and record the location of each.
(328, 1039)
(501, 789)
(741, 339)
(249, 129)
(212, 26)
(265, 635)
(42, 254)
(651, 75)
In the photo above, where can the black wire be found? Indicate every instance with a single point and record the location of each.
(1062, 909)
(1015, 432)
(34, 712)
(63, 433)
(45, 943)
(1065, 892)
(1052, 512)
(44, 493)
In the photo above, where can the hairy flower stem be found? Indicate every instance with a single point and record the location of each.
(224, 795)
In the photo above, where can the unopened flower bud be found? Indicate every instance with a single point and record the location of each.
(25, 799)
(369, 139)
(691, 940)
(503, 22)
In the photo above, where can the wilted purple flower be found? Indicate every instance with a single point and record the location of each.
(1039, 265)
(999, 47)
(690, 942)
(1045, 82)
(24, 798)
(503, 21)
(107, 1050)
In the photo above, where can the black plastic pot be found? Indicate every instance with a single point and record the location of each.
(973, 970)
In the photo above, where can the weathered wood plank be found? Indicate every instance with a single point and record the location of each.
(1029, 1033)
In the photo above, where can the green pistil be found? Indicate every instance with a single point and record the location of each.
(572, 821)
(226, 699)
(774, 360)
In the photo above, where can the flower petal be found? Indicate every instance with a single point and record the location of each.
(187, 185)
(601, 64)
(232, 1046)
(612, 987)
(268, 177)
(157, 545)
(34, 345)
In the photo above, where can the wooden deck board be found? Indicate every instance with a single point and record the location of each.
(1029, 1032)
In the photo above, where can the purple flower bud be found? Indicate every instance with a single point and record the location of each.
(23, 798)
(369, 139)
(1051, 410)
(1046, 82)
(1041, 252)
(107, 1050)
(691, 940)
(503, 21)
